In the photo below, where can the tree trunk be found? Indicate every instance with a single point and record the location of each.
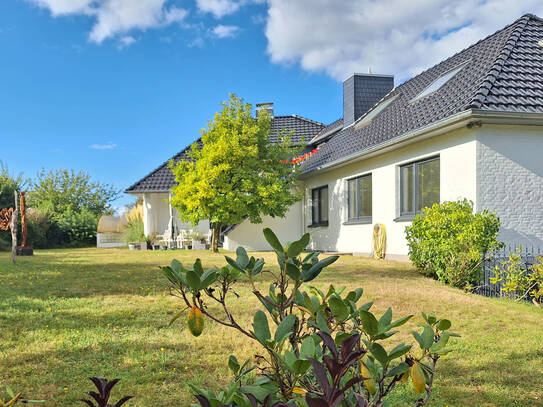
(14, 231)
(216, 238)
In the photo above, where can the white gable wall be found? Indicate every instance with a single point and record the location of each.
(249, 235)
(156, 216)
(510, 180)
(457, 151)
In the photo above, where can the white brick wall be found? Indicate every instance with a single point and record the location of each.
(510, 181)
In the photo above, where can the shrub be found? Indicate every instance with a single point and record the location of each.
(78, 227)
(133, 231)
(448, 241)
(518, 280)
(325, 350)
(39, 223)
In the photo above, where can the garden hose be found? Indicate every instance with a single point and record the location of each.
(379, 241)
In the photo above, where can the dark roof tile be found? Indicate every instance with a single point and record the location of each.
(162, 179)
(503, 72)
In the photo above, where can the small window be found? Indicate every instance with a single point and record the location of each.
(366, 119)
(319, 206)
(419, 186)
(439, 82)
(359, 199)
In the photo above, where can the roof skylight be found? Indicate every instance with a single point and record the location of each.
(439, 82)
(373, 113)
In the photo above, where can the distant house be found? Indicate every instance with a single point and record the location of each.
(155, 188)
(469, 127)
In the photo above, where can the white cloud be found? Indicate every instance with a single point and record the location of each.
(126, 41)
(108, 146)
(225, 31)
(116, 17)
(219, 8)
(388, 36)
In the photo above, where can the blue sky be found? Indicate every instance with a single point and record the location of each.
(115, 89)
(61, 95)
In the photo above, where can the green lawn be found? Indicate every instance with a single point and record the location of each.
(69, 314)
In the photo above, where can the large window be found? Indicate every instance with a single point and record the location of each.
(419, 186)
(359, 199)
(319, 206)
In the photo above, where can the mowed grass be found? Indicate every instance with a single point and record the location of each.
(66, 315)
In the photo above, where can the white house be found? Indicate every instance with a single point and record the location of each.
(469, 127)
(155, 188)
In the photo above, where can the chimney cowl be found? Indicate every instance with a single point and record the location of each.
(267, 107)
(361, 92)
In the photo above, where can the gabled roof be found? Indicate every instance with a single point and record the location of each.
(503, 72)
(162, 178)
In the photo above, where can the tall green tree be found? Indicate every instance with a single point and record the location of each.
(237, 174)
(62, 191)
(8, 185)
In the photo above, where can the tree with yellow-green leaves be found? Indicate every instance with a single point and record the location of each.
(237, 173)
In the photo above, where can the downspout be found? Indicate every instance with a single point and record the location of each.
(172, 231)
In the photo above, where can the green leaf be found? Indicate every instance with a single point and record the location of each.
(307, 350)
(301, 366)
(198, 267)
(233, 263)
(285, 327)
(444, 324)
(293, 271)
(290, 359)
(399, 351)
(431, 318)
(379, 353)
(355, 295)
(170, 274)
(369, 323)
(233, 364)
(399, 322)
(193, 280)
(176, 317)
(338, 307)
(297, 247)
(243, 258)
(427, 337)
(272, 239)
(321, 323)
(261, 327)
(177, 266)
(208, 278)
(315, 269)
(385, 320)
(398, 370)
(257, 268)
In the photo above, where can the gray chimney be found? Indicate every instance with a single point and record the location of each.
(361, 92)
(267, 107)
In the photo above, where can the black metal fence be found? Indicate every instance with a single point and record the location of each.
(528, 256)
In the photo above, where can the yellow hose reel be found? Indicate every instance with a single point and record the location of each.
(379, 240)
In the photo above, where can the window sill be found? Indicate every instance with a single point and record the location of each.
(404, 218)
(363, 221)
(318, 225)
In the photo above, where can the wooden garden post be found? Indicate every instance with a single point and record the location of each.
(14, 231)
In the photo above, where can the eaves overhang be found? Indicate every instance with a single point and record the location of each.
(469, 118)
